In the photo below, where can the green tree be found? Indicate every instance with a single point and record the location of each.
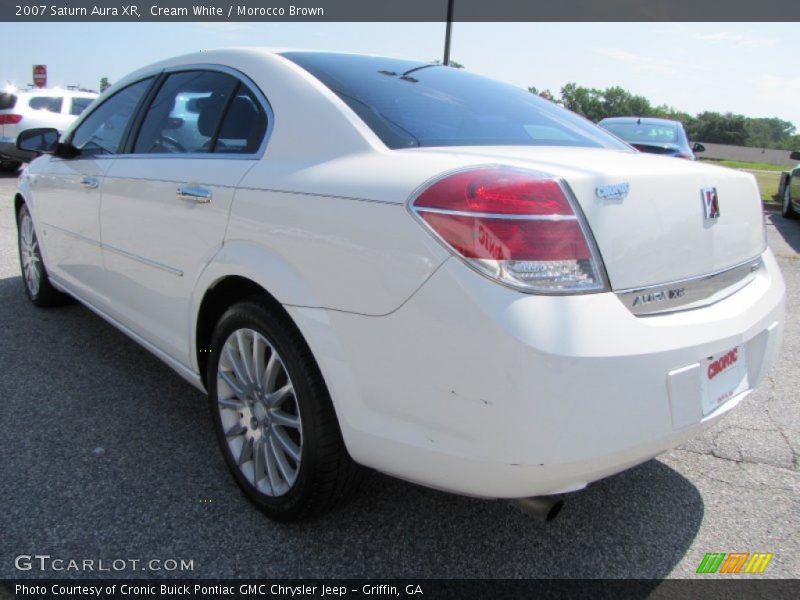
(768, 133)
(584, 101)
(104, 84)
(546, 94)
(719, 128)
(620, 102)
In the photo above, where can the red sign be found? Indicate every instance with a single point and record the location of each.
(40, 75)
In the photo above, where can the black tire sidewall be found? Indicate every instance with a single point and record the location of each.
(309, 392)
(787, 210)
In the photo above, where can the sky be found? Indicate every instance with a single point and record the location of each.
(747, 68)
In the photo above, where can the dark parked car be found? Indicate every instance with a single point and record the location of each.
(655, 136)
(790, 207)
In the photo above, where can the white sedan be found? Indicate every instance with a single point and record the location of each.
(377, 262)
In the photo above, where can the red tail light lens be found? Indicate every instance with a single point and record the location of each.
(10, 119)
(513, 226)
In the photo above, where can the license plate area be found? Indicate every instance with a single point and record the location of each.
(724, 376)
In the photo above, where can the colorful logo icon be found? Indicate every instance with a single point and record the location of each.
(734, 562)
(710, 203)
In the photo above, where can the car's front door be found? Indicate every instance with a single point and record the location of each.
(68, 195)
(166, 201)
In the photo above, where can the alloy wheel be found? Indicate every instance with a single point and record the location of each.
(29, 253)
(259, 412)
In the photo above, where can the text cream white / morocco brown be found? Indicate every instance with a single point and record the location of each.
(376, 262)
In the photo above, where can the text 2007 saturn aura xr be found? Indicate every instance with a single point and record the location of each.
(376, 262)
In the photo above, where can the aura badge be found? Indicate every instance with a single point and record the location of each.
(710, 203)
(734, 562)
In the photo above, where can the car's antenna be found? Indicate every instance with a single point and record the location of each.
(446, 61)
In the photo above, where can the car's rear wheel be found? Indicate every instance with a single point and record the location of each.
(273, 416)
(786, 208)
(34, 274)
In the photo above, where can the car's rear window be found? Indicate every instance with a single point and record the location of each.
(663, 133)
(410, 104)
(7, 101)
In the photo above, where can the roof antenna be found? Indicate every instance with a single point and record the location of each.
(446, 61)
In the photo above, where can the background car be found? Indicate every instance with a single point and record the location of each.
(654, 136)
(369, 261)
(28, 109)
(790, 205)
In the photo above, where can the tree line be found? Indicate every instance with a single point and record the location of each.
(712, 127)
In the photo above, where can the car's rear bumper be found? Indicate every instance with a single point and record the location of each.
(475, 388)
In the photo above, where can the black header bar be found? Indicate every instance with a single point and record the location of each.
(703, 586)
(399, 10)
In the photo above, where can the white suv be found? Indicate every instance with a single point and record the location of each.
(20, 110)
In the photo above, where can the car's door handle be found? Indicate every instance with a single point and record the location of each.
(90, 182)
(197, 194)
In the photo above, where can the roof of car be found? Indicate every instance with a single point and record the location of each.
(646, 120)
(56, 92)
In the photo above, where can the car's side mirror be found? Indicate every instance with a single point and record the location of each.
(795, 155)
(698, 147)
(42, 140)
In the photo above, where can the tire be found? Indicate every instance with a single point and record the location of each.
(786, 206)
(263, 428)
(34, 274)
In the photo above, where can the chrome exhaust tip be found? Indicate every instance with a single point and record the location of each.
(544, 508)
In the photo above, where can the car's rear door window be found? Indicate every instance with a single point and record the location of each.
(244, 125)
(186, 114)
(49, 103)
(103, 130)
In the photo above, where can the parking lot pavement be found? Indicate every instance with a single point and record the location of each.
(106, 454)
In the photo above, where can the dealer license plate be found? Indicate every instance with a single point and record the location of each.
(724, 376)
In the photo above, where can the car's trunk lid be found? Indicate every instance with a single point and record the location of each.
(658, 232)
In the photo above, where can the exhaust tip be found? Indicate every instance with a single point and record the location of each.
(544, 508)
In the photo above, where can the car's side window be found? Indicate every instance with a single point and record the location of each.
(186, 114)
(244, 125)
(79, 105)
(48, 103)
(103, 129)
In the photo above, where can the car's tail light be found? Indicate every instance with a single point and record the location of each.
(10, 119)
(517, 227)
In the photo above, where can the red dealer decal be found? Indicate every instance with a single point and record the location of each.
(722, 363)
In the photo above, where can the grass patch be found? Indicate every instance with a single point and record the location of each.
(768, 183)
(748, 166)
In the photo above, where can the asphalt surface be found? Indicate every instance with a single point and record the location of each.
(107, 454)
